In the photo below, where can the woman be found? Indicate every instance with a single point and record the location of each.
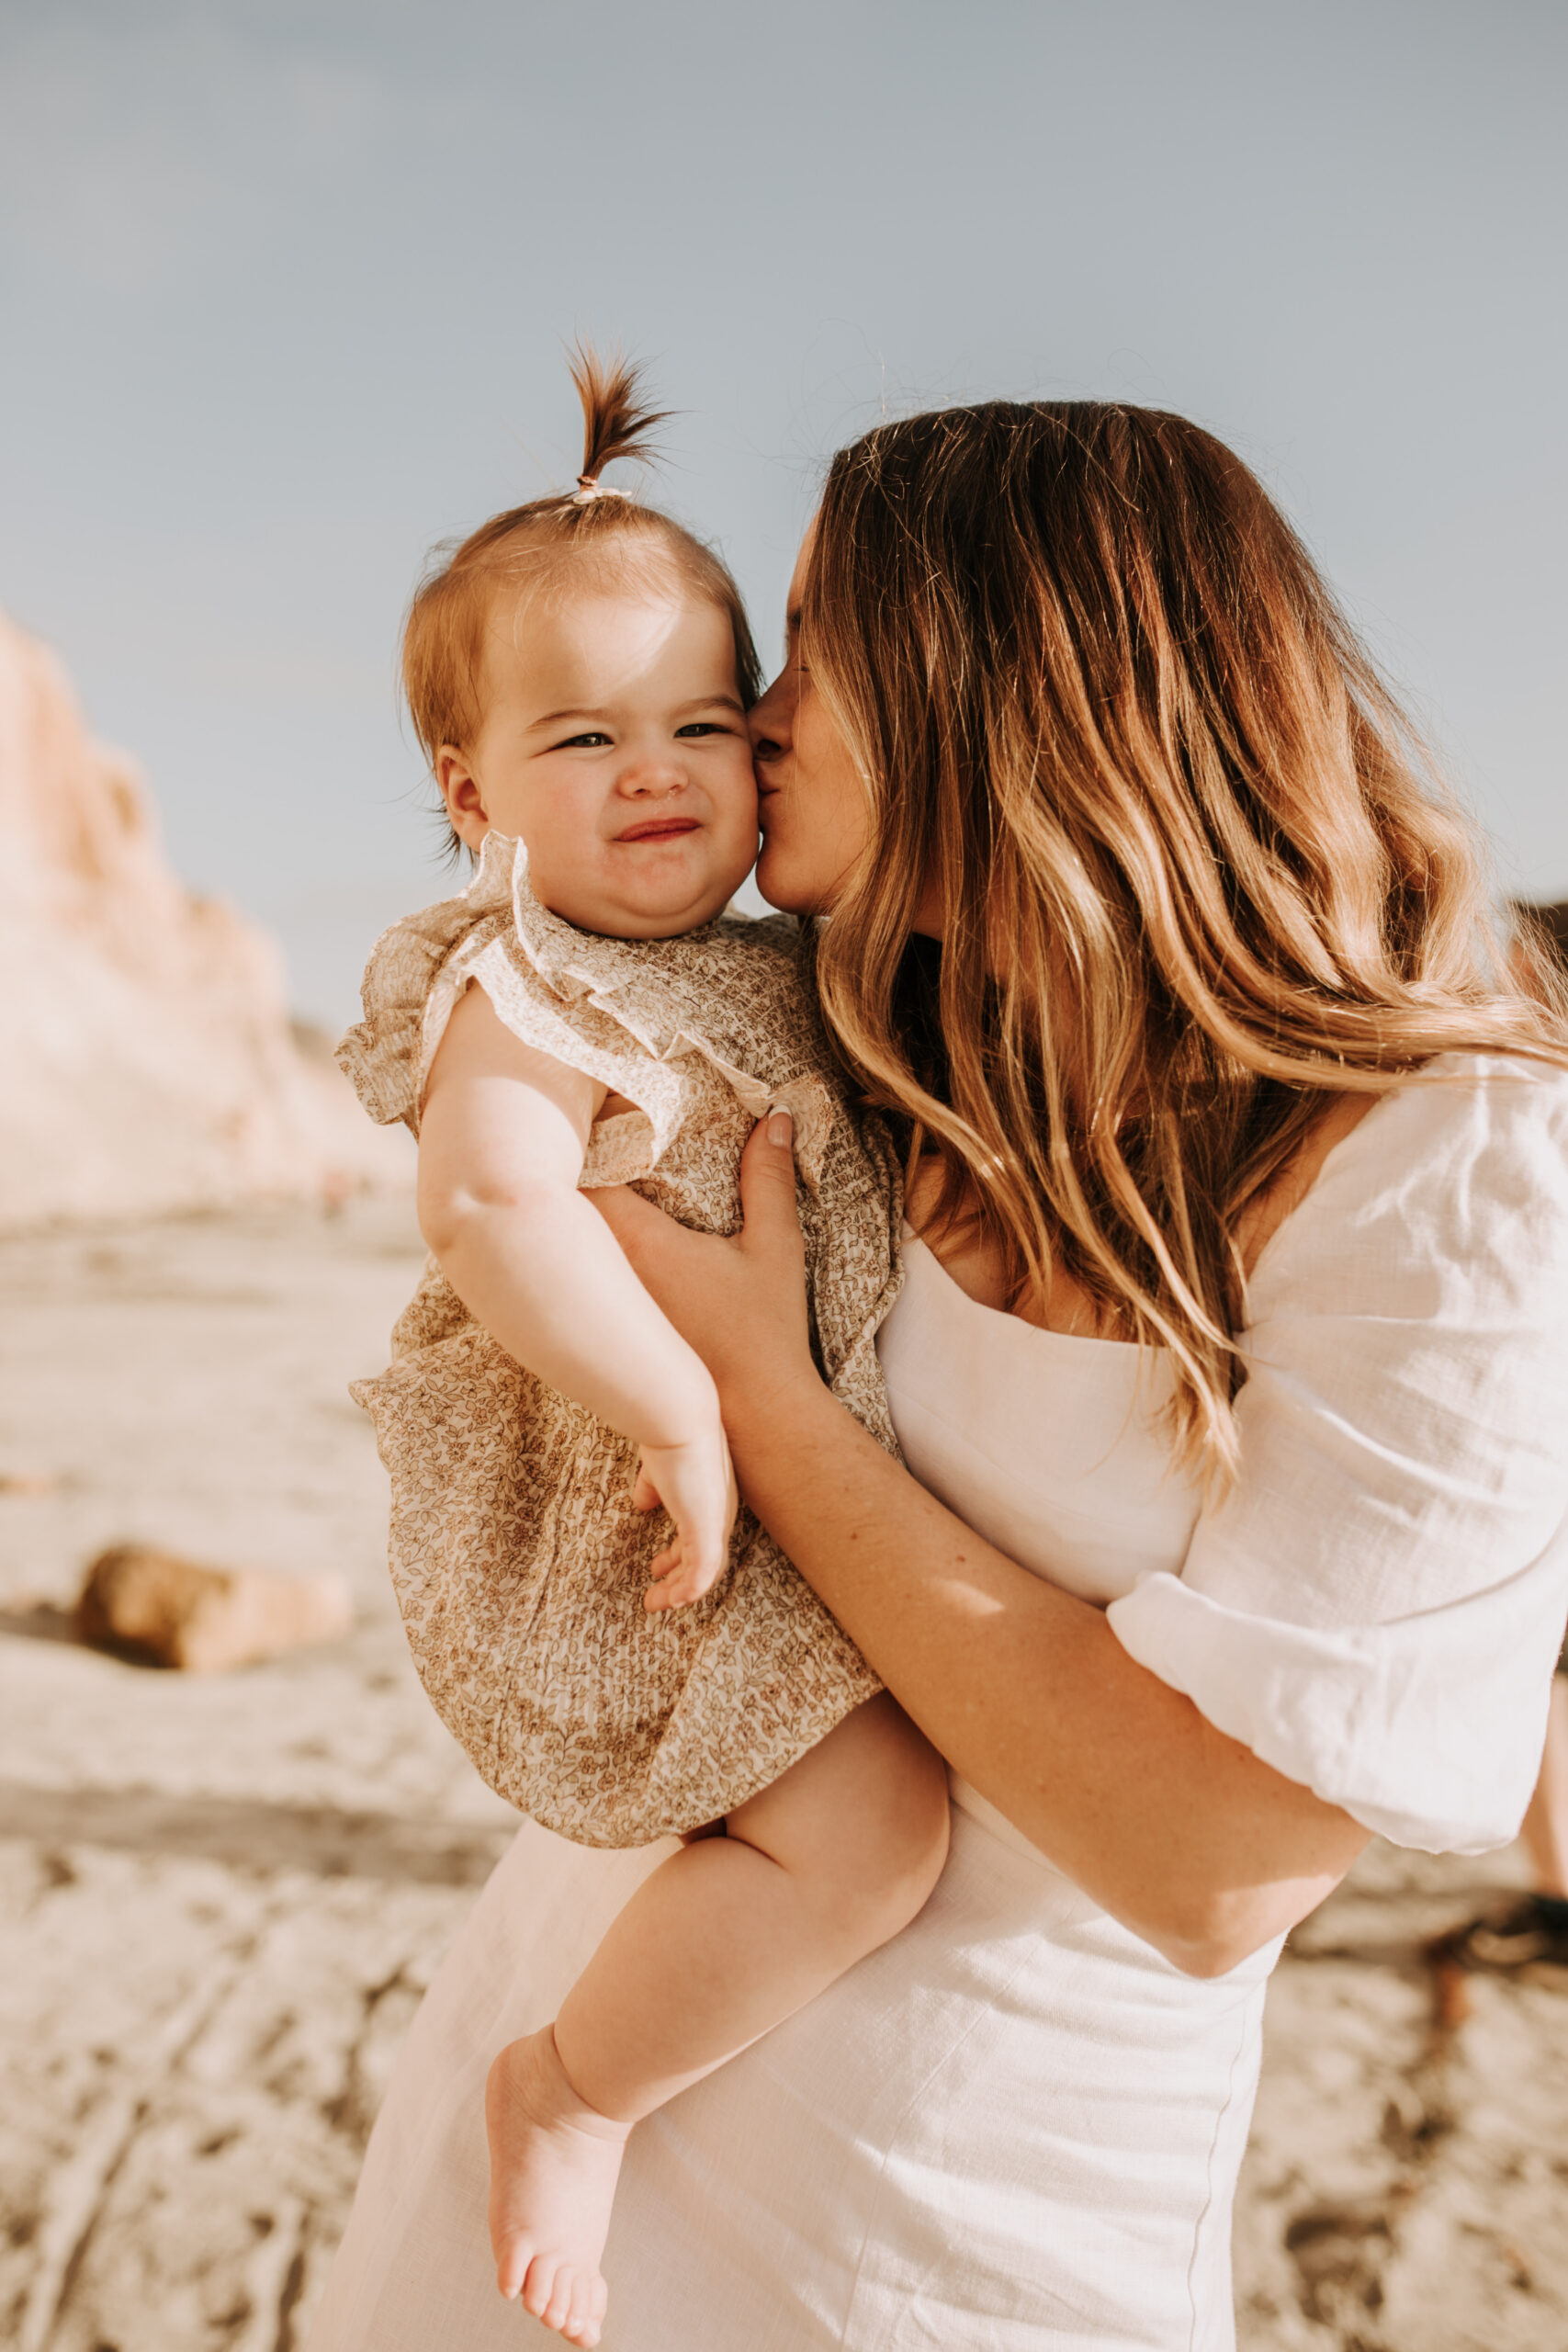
(1232, 1363)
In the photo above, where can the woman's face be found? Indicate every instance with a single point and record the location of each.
(812, 805)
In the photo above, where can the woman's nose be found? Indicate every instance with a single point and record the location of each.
(769, 719)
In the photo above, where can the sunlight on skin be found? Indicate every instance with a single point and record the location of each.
(614, 745)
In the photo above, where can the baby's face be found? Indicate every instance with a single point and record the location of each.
(614, 747)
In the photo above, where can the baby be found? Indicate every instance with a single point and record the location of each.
(585, 1014)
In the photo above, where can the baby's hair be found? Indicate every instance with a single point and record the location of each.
(616, 421)
(443, 641)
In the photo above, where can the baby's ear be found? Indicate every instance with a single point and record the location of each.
(460, 788)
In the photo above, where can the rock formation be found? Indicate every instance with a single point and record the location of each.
(147, 1060)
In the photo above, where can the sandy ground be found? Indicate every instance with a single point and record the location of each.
(219, 1900)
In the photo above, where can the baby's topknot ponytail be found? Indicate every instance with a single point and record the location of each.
(516, 552)
(616, 420)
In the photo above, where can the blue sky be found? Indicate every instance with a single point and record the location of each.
(285, 289)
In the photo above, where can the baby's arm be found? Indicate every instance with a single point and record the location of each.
(503, 1135)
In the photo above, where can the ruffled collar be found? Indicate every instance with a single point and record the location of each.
(571, 963)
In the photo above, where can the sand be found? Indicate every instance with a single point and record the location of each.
(221, 1899)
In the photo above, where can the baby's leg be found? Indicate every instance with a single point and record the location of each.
(736, 1933)
(727, 1940)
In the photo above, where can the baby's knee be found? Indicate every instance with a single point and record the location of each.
(898, 1843)
(860, 1823)
(927, 1824)
(895, 1887)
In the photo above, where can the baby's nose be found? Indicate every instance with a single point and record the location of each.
(655, 776)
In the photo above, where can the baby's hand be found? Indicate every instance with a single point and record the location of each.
(696, 1486)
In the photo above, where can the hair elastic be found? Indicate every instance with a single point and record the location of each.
(590, 486)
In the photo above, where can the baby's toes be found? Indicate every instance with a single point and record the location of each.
(587, 2310)
(558, 2310)
(512, 2267)
(540, 2289)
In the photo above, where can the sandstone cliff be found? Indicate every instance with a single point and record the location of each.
(147, 1061)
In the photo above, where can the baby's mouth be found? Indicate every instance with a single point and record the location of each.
(659, 829)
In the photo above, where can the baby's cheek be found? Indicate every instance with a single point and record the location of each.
(563, 880)
(740, 829)
(731, 870)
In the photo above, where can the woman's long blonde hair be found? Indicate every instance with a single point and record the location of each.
(1197, 872)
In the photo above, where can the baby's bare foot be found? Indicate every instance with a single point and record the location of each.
(553, 2166)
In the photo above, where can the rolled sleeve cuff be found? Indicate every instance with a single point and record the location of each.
(1428, 1729)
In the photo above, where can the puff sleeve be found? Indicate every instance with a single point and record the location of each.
(1375, 1607)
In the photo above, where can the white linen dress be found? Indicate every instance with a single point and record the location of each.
(1017, 2128)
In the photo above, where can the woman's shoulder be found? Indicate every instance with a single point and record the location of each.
(1457, 1176)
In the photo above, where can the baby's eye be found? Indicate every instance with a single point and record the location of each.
(703, 727)
(591, 742)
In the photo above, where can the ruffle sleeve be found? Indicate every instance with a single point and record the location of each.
(1376, 1606)
(590, 1002)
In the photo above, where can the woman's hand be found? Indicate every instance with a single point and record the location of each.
(739, 1301)
(1178, 1831)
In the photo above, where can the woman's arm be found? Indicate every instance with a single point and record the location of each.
(1178, 1831)
(503, 1135)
